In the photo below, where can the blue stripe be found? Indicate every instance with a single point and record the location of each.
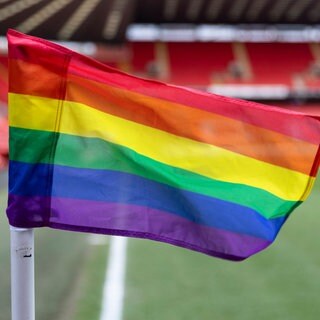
(118, 187)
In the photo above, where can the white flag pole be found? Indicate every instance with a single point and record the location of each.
(22, 274)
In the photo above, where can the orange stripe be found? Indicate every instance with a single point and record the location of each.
(215, 129)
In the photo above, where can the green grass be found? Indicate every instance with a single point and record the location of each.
(58, 256)
(282, 282)
(88, 305)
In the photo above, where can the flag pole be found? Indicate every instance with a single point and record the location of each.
(22, 274)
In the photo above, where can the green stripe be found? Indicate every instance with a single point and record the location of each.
(94, 153)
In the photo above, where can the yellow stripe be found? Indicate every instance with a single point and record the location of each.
(205, 159)
(25, 112)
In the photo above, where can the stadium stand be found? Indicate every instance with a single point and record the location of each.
(142, 57)
(290, 64)
(210, 58)
(278, 62)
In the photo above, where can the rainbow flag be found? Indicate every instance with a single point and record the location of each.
(93, 149)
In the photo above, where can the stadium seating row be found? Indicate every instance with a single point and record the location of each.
(296, 65)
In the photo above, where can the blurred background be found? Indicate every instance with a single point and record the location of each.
(262, 50)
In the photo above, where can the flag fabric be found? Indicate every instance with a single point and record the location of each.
(96, 150)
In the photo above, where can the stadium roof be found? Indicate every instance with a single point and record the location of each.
(108, 20)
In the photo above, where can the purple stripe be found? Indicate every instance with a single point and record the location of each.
(143, 222)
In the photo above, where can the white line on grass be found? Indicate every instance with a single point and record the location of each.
(97, 239)
(113, 289)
